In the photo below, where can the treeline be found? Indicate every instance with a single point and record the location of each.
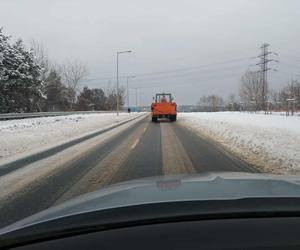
(99, 99)
(251, 97)
(251, 94)
(61, 97)
(29, 82)
(287, 98)
(211, 103)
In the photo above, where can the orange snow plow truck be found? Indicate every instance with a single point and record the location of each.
(163, 107)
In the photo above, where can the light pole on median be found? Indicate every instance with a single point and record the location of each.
(128, 77)
(119, 52)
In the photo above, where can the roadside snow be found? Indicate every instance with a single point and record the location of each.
(30, 135)
(270, 142)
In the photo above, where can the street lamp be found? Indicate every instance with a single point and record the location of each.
(119, 52)
(136, 98)
(128, 77)
(141, 98)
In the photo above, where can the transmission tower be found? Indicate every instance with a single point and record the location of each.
(264, 60)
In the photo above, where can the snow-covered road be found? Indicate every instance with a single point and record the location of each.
(27, 136)
(271, 142)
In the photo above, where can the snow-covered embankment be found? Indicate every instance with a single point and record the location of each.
(22, 137)
(270, 142)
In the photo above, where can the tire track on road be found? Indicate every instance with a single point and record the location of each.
(207, 155)
(175, 159)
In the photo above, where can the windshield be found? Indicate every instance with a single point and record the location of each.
(97, 93)
(163, 98)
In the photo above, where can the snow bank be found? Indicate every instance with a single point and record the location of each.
(31, 135)
(270, 142)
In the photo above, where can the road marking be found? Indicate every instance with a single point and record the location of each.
(135, 143)
(146, 127)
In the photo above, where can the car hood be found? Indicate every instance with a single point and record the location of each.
(206, 186)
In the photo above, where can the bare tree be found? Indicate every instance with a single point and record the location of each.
(111, 98)
(277, 104)
(250, 89)
(203, 101)
(290, 96)
(231, 102)
(211, 103)
(72, 74)
(41, 57)
(231, 98)
(215, 102)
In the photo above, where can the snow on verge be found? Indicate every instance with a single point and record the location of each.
(30, 135)
(270, 142)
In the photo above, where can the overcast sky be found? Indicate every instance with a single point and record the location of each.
(188, 47)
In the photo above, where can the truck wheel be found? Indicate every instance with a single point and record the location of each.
(154, 119)
(173, 118)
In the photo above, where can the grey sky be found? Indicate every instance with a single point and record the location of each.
(199, 47)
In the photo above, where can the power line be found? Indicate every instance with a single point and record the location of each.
(184, 74)
(186, 81)
(192, 68)
(289, 74)
(174, 70)
(290, 65)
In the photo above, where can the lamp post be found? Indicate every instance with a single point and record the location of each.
(119, 52)
(136, 98)
(128, 77)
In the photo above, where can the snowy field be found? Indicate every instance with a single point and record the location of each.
(26, 136)
(271, 142)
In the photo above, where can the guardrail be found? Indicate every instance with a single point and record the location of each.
(12, 116)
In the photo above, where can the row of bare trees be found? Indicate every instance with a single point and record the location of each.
(61, 81)
(64, 90)
(211, 103)
(284, 99)
(251, 97)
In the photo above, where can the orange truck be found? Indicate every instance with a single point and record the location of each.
(164, 107)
